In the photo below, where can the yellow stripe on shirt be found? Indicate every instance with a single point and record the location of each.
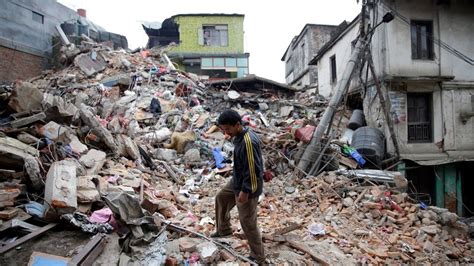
(253, 176)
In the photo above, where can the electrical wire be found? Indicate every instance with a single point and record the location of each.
(436, 41)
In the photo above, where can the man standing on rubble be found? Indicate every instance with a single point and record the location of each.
(245, 186)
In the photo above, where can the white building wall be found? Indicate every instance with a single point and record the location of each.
(391, 44)
(342, 49)
(391, 48)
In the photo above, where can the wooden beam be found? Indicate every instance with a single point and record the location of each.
(287, 229)
(27, 120)
(22, 216)
(26, 238)
(307, 250)
(90, 251)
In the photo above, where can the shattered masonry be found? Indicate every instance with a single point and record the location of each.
(118, 143)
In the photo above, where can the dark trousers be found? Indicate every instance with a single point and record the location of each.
(225, 201)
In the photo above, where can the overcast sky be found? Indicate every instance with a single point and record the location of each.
(269, 25)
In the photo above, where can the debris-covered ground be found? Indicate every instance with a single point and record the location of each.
(120, 145)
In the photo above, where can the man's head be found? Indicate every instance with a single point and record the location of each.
(230, 122)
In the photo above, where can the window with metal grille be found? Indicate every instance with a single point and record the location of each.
(419, 117)
(422, 40)
(332, 60)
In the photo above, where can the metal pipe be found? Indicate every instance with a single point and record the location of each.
(334, 103)
(384, 104)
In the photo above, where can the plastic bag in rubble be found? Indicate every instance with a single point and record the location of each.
(155, 106)
(316, 229)
(158, 135)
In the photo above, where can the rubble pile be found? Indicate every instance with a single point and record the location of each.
(368, 223)
(122, 142)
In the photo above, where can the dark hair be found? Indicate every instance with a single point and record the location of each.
(229, 117)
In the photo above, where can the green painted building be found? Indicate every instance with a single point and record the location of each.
(209, 45)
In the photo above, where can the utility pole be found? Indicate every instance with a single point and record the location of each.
(342, 88)
(334, 103)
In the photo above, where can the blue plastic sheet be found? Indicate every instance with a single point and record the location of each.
(218, 157)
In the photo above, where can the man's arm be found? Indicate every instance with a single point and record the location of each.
(249, 184)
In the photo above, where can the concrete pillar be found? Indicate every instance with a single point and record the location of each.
(448, 188)
(439, 185)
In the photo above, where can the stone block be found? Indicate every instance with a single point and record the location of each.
(192, 155)
(77, 146)
(25, 97)
(187, 244)
(166, 154)
(93, 161)
(61, 187)
(90, 64)
(86, 190)
(54, 131)
(208, 252)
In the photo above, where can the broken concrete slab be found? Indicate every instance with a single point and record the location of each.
(61, 187)
(192, 155)
(89, 118)
(14, 143)
(65, 108)
(130, 146)
(27, 138)
(91, 63)
(25, 97)
(54, 131)
(31, 164)
(93, 161)
(208, 252)
(86, 190)
(285, 111)
(21, 122)
(77, 146)
(122, 79)
(188, 244)
(114, 126)
(166, 154)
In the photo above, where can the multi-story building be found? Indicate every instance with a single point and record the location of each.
(27, 28)
(301, 50)
(209, 45)
(424, 60)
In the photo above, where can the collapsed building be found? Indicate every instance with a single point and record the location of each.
(209, 45)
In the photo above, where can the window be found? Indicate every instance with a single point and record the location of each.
(332, 61)
(419, 117)
(422, 40)
(37, 17)
(213, 35)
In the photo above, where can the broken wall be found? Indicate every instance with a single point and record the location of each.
(301, 50)
(189, 27)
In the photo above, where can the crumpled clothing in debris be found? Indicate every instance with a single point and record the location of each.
(81, 221)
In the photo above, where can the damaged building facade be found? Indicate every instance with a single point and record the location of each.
(27, 29)
(210, 45)
(423, 59)
(303, 47)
